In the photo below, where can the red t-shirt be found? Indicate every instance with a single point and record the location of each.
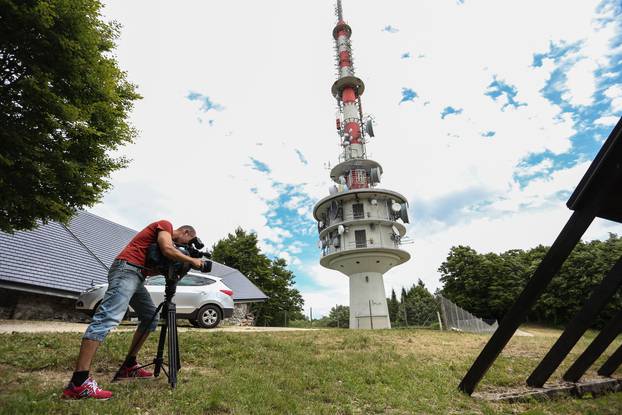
(136, 250)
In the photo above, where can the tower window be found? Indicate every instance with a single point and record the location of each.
(357, 211)
(360, 239)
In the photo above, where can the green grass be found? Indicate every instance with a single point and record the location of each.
(314, 372)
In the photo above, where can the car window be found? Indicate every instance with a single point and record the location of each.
(194, 280)
(157, 280)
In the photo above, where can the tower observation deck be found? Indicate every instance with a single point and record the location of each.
(360, 225)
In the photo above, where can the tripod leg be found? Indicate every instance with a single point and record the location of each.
(131, 353)
(172, 346)
(159, 357)
(177, 346)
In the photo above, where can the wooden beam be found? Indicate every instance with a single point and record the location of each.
(595, 349)
(614, 362)
(577, 326)
(550, 265)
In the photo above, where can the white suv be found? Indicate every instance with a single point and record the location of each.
(203, 299)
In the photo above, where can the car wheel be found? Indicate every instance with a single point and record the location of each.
(208, 316)
(193, 322)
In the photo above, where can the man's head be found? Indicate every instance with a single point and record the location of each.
(184, 234)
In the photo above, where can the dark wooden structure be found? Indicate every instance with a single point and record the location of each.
(599, 194)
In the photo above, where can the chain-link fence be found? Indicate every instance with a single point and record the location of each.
(458, 319)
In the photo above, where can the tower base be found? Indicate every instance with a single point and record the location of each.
(368, 303)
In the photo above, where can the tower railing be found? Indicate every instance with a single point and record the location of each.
(354, 245)
(348, 217)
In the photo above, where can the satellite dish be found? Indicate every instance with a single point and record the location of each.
(333, 190)
(374, 202)
(341, 229)
(337, 242)
(404, 213)
(369, 127)
(395, 207)
(321, 224)
(374, 175)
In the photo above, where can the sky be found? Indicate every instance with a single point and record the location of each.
(487, 114)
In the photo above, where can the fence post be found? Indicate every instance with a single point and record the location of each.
(371, 318)
(440, 322)
(405, 316)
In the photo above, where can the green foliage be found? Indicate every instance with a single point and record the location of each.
(488, 284)
(63, 108)
(394, 306)
(339, 316)
(240, 250)
(417, 307)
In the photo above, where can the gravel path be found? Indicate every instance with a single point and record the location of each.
(28, 326)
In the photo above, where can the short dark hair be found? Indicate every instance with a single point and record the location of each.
(187, 228)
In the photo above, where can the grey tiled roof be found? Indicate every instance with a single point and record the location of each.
(70, 258)
(48, 257)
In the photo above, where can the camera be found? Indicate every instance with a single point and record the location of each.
(177, 269)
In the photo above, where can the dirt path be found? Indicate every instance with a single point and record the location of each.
(27, 326)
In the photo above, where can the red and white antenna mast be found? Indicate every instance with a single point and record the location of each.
(348, 89)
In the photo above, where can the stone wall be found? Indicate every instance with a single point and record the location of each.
(21, 305)
(241, 316)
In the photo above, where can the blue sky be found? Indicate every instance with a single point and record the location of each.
(484, 126)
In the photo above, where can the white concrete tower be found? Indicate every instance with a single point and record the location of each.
(360, 225)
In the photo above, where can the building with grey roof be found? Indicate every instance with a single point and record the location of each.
(61, 261)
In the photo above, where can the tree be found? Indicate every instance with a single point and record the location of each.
(339, 316)
(63, 108)
(465, 275)
(240, 250)
(488, 284)
(393, 306)
(419, 306)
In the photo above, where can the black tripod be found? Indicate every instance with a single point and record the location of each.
(169, 309)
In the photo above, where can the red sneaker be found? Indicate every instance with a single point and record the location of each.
(89, 389)
(134, 372)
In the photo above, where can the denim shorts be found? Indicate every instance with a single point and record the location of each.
(125, 286)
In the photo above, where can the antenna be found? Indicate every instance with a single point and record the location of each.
(369, 127)
(404, 213)
(339, 11)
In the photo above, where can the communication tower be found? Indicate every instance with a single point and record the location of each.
(360, 225)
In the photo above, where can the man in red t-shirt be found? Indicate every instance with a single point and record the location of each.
(125, 287)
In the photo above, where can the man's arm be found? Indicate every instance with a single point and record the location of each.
(165, 242)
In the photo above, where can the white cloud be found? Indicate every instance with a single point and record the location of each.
(609, 120)
(535, 168)
(333, 289)
(614, 93)
(581, 83)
